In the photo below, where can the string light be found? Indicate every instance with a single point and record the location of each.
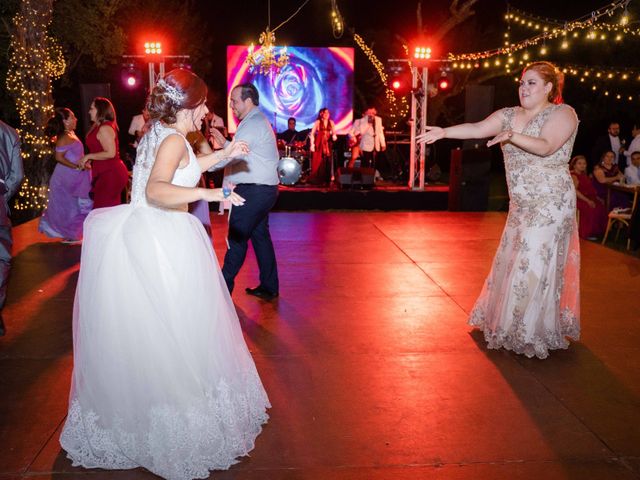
(35, 60)
(398, 107)
(547, 34)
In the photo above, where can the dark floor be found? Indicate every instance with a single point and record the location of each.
(367, 358)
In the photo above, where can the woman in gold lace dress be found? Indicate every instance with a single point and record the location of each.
(530, 300)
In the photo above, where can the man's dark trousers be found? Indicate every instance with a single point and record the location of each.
(251, 222)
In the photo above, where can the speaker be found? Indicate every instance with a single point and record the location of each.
(352, 177)
(89, 91)
(478, 105)
(469, 179)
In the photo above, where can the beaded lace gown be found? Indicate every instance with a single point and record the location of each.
(530, 300)
(162, 376)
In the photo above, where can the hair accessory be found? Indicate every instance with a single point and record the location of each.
(170, 91)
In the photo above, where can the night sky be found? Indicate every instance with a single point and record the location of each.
(241, 22)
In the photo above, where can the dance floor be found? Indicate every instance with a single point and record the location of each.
(367, 358)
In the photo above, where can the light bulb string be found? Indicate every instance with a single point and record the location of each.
(592, 18)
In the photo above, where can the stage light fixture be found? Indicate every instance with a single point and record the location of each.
(421, 52)
(445, 81)
(131, 76)
(153, 48)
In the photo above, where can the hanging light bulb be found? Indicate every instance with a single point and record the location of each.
(624, 19)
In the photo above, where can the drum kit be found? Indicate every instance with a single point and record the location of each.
(292, 162)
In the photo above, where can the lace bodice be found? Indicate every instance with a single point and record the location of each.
(515, 157)
(531, 178)
(188, 176)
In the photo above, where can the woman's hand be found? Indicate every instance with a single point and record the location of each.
(503, 136)
(84, 162)
(591, 203)
(431, 135)
(217, 136)
(236, 149)
(217, 195)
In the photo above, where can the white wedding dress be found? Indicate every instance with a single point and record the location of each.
(162, 376)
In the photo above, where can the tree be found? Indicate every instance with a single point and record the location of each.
(35, 59)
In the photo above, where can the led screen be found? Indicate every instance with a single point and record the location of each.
(315, 78)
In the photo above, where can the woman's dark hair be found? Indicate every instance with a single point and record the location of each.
(55, 125)
(178, 90)
(322, 110)
(104, 111)
(604, 154)
(549, 73)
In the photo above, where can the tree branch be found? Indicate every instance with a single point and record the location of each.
(459, 14)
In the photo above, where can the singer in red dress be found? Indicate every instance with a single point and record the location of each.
(322, 137)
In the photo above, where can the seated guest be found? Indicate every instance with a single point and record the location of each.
(606, 173)
(290, 135)
(592, 212)
(632, 172)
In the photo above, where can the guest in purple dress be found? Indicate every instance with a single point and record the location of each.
(69, 186)
(200, 208)
(607, 173)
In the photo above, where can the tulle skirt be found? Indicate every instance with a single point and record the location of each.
(162, 375)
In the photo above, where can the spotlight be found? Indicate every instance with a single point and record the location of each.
(445, 81)
(131, 75)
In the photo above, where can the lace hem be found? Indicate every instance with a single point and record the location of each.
(172, 442)
(513, 338)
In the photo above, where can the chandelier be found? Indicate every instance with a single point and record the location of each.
(265, 59)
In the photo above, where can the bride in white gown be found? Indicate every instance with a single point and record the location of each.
(162, 376)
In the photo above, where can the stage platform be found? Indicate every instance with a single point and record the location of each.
(382, 196)
(371, 368)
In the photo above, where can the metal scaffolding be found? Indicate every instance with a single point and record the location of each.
(418, 122)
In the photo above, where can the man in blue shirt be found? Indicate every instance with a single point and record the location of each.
(255, 177)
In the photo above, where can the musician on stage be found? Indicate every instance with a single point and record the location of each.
(322, 137)
(290, 135)
(367, 138)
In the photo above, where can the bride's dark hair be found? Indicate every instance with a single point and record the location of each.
(177, 90)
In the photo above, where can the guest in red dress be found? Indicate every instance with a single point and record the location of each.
(109, 176)
(322, 137)
(592, 212)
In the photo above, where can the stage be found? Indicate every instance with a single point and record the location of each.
(370, 366)
(381, 196)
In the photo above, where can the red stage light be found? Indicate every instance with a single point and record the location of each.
(396, 84)
(131, 81)
(422, 51)
(443, 84)
(153, 48)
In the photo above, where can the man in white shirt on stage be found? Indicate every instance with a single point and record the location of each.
(369, 134)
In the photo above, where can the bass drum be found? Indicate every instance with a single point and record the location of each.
(289, 171)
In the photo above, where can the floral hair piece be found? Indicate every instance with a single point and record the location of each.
(172, 92)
